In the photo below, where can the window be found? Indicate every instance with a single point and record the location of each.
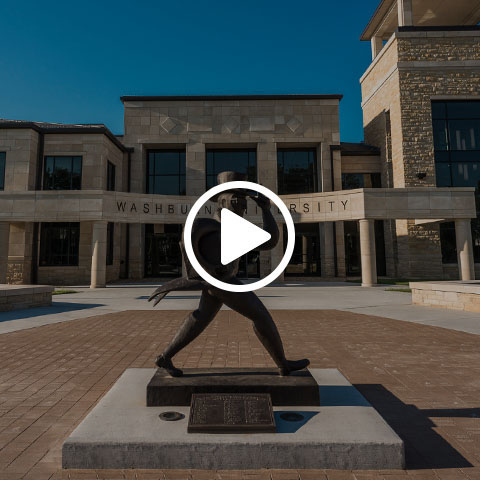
(297, 171)
(234, 160)
(2, 170)
(59, 244)
(110, 176)
(166, 172)
(62, 173)
(351, 181)
(456, 136)
(110, 242)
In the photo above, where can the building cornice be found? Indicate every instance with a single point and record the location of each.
(208, 98)
(65, 129)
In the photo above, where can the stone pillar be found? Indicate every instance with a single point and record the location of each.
(276, 254)
(136, 251)
(466, 265)
(4, 242)
(367, 250)
(195, 160)
(405, 13)
(341, 261)
(377, 45)
(267, 165)
(99, 255)
(328, 267)
(20, 253)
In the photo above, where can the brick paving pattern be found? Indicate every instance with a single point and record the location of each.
(425, 381)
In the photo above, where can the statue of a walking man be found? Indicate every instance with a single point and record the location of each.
(206, 245)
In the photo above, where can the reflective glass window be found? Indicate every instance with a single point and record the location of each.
(166, 172)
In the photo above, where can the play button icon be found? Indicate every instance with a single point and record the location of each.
(238, 236)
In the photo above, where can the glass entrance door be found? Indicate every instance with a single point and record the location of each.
(163, 257)
(306, 259)
(249, 265)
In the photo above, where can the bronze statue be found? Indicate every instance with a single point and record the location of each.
(206, 245)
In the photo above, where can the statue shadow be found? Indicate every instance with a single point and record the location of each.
(424, 447)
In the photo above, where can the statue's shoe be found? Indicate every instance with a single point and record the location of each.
(294, 365)
(167, 364)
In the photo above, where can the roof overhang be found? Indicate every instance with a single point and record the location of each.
(65, 129)
(426, 13)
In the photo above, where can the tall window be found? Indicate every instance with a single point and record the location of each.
(110, 176)
(2, 170)
(297, 171)
(234, 160)
(166, 172)
(110, 242)
(456, 132)
(59, 244)
(62, 173)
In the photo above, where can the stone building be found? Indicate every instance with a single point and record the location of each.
(81, 205)
(421, 106)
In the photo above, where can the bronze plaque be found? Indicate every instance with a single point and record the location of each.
(231, 413)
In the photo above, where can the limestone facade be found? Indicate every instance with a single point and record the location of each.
(415, 67)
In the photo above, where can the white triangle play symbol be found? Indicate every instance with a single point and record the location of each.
(238, 236)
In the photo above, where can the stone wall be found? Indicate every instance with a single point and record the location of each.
(361, 164)
(453, 295)
(15, 298)
(21, 158)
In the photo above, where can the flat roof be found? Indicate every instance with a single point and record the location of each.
(190, 98)
(358, 149)
(426, 13)
(46, 127)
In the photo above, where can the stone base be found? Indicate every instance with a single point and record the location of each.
(16, 297)
(300, 388)
(455, 295)
(344, 432)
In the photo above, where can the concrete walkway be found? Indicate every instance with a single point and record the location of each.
(289, 296)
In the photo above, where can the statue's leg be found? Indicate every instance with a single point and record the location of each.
(195, 323)
(250, 306)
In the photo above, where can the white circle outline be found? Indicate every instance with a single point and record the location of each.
(187, 236)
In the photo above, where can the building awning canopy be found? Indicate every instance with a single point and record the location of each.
(426, 13)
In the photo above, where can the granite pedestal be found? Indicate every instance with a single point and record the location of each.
(300, 388)
(343, 432)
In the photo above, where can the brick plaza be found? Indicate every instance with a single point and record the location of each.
(423, 380)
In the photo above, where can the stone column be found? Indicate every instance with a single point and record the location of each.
(276, 254)
(195, 160)
(267, 165)
(341, 261)
(367, 250)
(136, 251)
(377, 45)
(466, 265)
(99, 255)
(328, 267)
(405, 13)
(4, 242)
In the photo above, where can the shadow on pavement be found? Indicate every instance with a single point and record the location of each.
(57, 307)
(424, 448)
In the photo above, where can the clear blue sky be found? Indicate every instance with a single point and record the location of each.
(69, 62)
